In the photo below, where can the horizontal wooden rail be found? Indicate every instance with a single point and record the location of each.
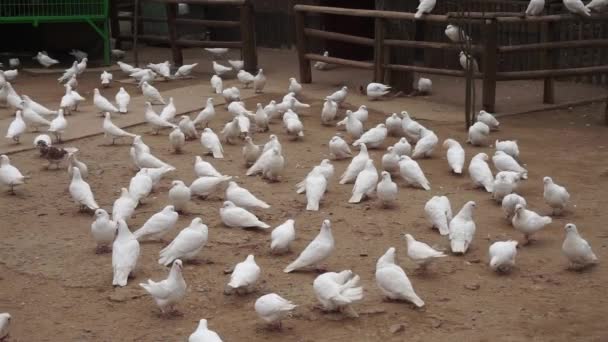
(434, 71)
(341, 61)
(183, 21)
(184, 42)
(202, 2)
(555, 45)
(534, 74)
(341, 37)
(551, 18)
(368, 13)
(430, 45)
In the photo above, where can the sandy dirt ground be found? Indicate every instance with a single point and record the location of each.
(58, 289)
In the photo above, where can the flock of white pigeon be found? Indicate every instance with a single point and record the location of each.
(336, 291)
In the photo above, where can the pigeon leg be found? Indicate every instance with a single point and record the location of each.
(12, 190)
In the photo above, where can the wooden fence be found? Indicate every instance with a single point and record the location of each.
(487, 44)
(245, 24)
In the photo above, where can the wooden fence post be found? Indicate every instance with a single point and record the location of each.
(379, 51)
(606, 112)
(490, 66)
(250, 55)
(305, 70)
(178, 58)
(549, 62)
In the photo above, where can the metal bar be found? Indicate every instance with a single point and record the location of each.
(430, 45)
(535, 74)
(185, 21)
(186, 42)
(341, 37)
(433, 71)
(367, 13)
(554, 45)
(341, 61)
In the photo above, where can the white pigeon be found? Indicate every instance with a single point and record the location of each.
(68, 100)
(205, 186)
(462, 229)
(376, 90)
(338, 291)
(273, 142)
(14, 62)
(78, 54)
(251, 152)
(392, 280)
(185, 70)
(151, 94)
(455, 155)
(508, 146)
(374, 137)
(103, 230)
(424, 7)
(37, 107)
(33, 119)
(411, 172)
(12, 98)
(5, 322)
(393, 125)
(386, 190)
(211, 143)
(259, 82)
(69, 72)
(421, 253)
(425, 145)
(82, 65)
(270, 164)
(72, 82)
(245, 78)
(125, 252)
(282, 237)
(219, 69)
(9, 175)
(271, 110)
(140, 185)
(504, 162)
(528, 222)
(42, 139)
(294, 86)
(488, 119)
(122, 100)
(187, 244)
(456, 34)
(390, 161)
(425, 86)
(577, 7)
(177, 139)
(16, 128)
(158, 224)
(293, 126)
(126, 68)
(58, 125)
(179, 195)
(438, 212)
(504, 184)
(169, 111)
(556, 196)
(322, 65)
(102, 104)
(272, 308)
(261, 118)
(365, 183)
(157, 173)
(509, 202)
(203, 168)
(203, 334)
(168, 292)
(339, 96)
(105, 78)
(577, 250)
(236, 64)
(204, 116)
(317, 250)
(356, 165)
(480, 172)
(217, 52)
(502, 256)
(468, 60)
(163, 69)
(338, 148)
(479, 133)
(241, 197)
(362, 114)
(232, 130)
(124, 207)
(594, 5)
(11, 74)
(244, 276)
(236, 217)
(354, 127)
(45, 60)
(325, 168)
(329, 111)
(81, 192)
(402, 147)
(186, 125)
(217, 84)
(112, 131)
(315, 186)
